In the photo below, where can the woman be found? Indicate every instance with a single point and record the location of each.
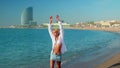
(58, 46)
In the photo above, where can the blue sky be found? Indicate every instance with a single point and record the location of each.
(70, 11)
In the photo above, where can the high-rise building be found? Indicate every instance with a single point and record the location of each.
(27, 17)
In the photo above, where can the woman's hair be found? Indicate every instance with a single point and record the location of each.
(56, 30)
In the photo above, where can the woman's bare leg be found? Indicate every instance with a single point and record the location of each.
(52, 62)
(58, 64)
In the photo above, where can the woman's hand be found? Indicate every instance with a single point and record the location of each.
(57, 18)
(50, 20)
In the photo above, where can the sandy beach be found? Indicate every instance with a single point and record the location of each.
(109, 29)
(113, 62)
(100, 62)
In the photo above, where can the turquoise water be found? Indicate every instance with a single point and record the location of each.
(30, 48)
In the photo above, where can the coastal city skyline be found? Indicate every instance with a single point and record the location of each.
(70, 11)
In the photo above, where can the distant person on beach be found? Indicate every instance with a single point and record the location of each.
(58, 45)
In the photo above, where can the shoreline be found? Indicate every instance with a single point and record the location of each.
(108, 62)
(113, 62)
(107, 29)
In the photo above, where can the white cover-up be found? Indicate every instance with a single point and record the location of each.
(60, 38)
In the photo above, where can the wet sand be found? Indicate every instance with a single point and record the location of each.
(113, 62)
(103, 61)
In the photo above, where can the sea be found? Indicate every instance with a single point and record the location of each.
(30, 48)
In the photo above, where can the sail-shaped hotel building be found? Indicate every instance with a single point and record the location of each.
(27, 17)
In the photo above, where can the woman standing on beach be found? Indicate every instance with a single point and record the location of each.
(58, 46)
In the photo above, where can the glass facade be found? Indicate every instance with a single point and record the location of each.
(27, 16)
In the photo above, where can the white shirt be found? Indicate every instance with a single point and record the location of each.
(60, 38)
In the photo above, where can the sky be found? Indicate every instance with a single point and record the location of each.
(71, 11)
